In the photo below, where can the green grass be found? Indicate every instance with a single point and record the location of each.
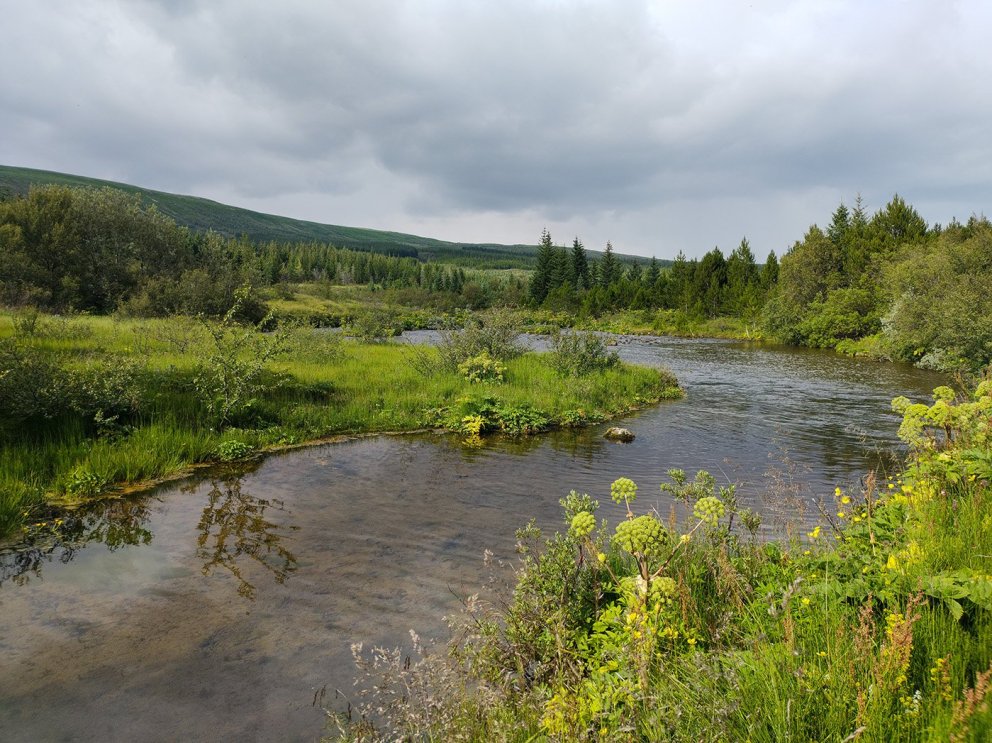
(321, 385)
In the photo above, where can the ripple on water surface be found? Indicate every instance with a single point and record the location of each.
(216, 608)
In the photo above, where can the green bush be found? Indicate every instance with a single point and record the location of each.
(375, 324)
(577, 354)
(496, 333)
(845, 314)
(230, 381)
(38, 386)
(482, 368)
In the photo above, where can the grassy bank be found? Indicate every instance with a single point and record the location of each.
(874, 625)
(90, 403)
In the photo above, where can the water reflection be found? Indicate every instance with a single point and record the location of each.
(234, 527)
(113, 523)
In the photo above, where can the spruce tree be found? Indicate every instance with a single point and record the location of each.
(580, 265)
(609, 268)
(540, 283)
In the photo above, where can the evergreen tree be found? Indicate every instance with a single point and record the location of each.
(709, 282)
(580, 266)
(769, 273)
(840, 225)
(651, 278)
(678, 284)
(593, 273)
(898, 222)
(540, 283)
(742, 282)
(560, 270)
(609, 268)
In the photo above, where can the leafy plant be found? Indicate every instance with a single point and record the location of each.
(496, 334)
(577, 354)
(375, 324)
(233, 376)
(482, 368)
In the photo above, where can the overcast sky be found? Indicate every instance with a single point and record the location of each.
(661, 125)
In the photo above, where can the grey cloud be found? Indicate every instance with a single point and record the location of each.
(623, 118)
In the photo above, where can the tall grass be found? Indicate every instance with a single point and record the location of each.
(320, 385)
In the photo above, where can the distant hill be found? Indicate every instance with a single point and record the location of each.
(204, 214)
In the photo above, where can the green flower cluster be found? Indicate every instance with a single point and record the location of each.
(644, 535)
(709, 509)
(663, 590)
(623, 490)
(582, 524)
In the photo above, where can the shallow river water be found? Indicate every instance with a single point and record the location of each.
(216, 608)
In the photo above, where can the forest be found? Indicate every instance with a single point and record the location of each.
(886, 285)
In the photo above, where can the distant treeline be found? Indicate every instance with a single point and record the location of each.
(566, 279)
(102, 250)
(886, 285)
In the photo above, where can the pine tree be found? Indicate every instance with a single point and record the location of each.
(580, 265)
(560, 269)
(609, 268)
(710, 281)
(678, 285)
(651, 278)
(742, 281)
(769, 273)
(540, 283)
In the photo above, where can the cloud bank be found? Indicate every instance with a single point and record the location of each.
(662, 126)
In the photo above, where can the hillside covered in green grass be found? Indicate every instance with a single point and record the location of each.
(204, 214)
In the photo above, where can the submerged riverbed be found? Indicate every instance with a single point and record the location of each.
(217, 608)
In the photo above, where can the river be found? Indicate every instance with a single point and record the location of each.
(218, 607)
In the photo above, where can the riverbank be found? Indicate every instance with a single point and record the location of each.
(875, 624)
(91, 404)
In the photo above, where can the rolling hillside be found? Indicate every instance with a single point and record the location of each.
(204, 214)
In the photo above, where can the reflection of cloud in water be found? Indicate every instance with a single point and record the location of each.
(234, 527)
(114, 523)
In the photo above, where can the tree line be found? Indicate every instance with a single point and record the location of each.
(886, 284)
(568, 279)
(102, 250)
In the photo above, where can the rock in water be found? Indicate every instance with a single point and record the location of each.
(616, 433)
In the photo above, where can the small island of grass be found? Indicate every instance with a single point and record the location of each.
(91, 404)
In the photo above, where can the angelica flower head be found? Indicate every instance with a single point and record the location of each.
(623, 490)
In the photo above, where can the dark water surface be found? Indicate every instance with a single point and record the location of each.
(215, 609)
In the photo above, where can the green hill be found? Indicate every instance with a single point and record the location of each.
(204, 214)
